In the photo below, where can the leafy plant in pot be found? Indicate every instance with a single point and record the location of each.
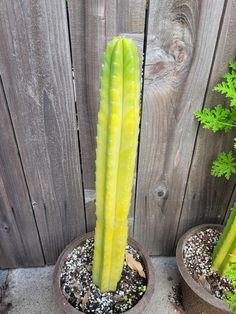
(206, 254)
(104, 273)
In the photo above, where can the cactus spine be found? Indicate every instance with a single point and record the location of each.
(117, 139)
(225, 251)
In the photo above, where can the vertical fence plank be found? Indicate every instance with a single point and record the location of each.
(207, 197)
(20, 243)
(180, 46)
(36, 73)
(92, 24)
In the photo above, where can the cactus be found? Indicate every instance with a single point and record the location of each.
(117, 139)
(224, 253)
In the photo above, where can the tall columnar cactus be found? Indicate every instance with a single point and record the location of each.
(225, 251)
(117, 139)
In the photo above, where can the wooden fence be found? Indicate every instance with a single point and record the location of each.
(48, 121)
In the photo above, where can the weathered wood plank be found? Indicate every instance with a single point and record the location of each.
(181, 40)
(20, 243)
(92, 24)
(36, 72)
(207, 197)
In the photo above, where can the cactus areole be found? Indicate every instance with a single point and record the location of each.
(117, 140)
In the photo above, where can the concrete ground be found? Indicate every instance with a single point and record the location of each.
(30, 290)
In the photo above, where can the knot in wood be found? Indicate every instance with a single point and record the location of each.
(5, 228)
(161, 191)
(157, 67)
(177, 51)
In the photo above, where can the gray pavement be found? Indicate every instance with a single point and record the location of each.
(30, 289)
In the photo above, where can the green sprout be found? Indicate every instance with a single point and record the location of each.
(142, 289)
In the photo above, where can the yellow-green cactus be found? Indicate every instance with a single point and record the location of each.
(225, 251)
(117, 140)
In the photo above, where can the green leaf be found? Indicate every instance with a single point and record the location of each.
(232, 117)
(231, 296)
(235, 142)
(232, 65)
(224, 165)
(216, 119)
(231, 300)
(228, 86)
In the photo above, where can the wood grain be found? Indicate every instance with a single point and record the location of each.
(20, 243)
(207, 198)
(182, 35)
(92, 24)
(36, 73)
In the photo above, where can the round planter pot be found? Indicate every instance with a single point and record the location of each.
(68, 308)
(196, 299)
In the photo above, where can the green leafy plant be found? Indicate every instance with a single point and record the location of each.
(117, 140)
(220, 118)
(231, 296)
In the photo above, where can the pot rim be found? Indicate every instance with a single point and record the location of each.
(150, 272)
(197, 288)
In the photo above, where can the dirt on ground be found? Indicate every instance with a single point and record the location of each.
(4, 306)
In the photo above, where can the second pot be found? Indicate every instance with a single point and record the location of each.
(196, 299)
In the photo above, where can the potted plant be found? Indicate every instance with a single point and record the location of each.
(206, 254)
(104, 273)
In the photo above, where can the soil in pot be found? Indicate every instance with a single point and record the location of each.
(82, 294)
(197, 259)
